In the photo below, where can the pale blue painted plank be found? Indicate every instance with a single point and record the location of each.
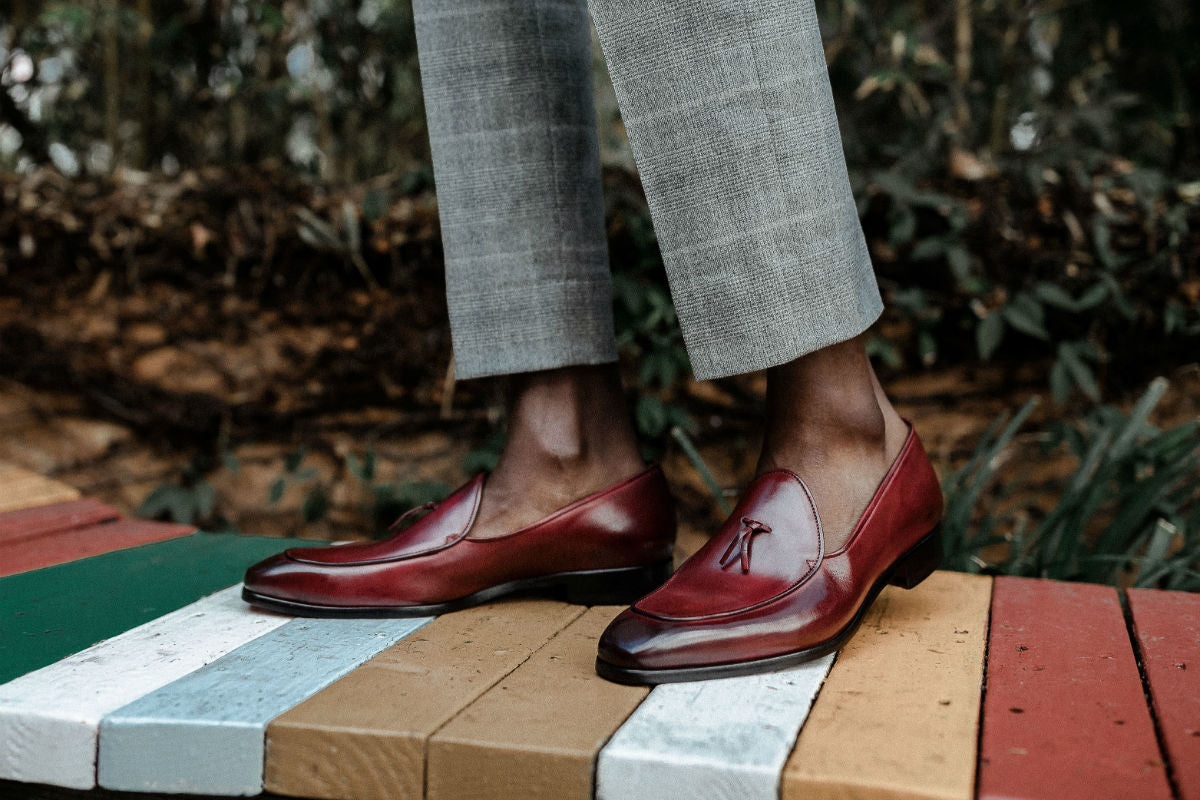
(204, 733)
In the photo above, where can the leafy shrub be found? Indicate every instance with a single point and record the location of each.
(387, 501)
(1027, 174)
(190, 501)
(644, 316)
(331, 88)
(1130, 511)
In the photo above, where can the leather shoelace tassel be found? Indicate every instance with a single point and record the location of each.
(740, 546)
(395, 526)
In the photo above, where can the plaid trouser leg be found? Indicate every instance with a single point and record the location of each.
(731, 118)
(512, 125)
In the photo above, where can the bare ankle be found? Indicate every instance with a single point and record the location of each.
(569, 420)
(828, 401)
(569, 434)
(829, 421)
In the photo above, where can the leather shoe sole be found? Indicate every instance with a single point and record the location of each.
(586, 587)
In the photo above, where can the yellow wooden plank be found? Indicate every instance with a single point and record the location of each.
(20, 488)
(536, 734)
(365, 735)
(898, 715)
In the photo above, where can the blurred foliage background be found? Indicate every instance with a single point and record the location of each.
(1027, 172)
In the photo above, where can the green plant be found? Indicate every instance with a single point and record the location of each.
(315, 505)
(328, 87)
(483, 457)
(1030, 169)
(701, 466)
(389, 500)
(647, 327)
(1129, 511)
(193, 499)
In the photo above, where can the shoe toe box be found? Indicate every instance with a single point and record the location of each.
(281, 577)
(628, 641)
(639, 641)
(636, 641)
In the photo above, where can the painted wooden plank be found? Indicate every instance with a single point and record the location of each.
(365, 736)
(49, 719)
(537, 733)
(205, 733)
(1064, 714)
(724, 739)
(1167, 626)
(28, 523)
(51, 613)
(898, 715)
(59, 547)
(11, 790)
(20, 488)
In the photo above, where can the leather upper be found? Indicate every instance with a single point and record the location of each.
(446, 522)
(752, 559)
(436, 560)
(793, 594)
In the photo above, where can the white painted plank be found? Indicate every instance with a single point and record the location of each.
(49, 718)
(205, 733)
(724, 739)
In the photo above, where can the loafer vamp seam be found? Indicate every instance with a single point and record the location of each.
(449, 542)
(777, 598)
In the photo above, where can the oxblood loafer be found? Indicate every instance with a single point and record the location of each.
(612, 546)
(764, 593)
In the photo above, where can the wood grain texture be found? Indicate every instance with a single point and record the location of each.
(61, 546)
(29, 523)
(536, 734)
(49, 719)
(51, 613)
(722, 739)
(1064, 714)
(365, 736)
(898, 715)
(11, 790)
(1167, 626)
(20, 488)
(205, 733)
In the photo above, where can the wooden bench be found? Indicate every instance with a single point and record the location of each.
(129, 662)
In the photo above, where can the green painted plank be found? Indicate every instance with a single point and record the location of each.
(51, 613)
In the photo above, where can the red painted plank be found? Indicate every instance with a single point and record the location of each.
(1064, 714)
(1167, 625)
(29, 523)
(62, 546)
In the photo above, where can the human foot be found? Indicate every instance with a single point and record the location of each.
(782, 582)
(570, 510)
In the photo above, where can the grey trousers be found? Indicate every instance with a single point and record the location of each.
(732, 125)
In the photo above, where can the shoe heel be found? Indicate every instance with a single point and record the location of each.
(918, 563)
(604, 587)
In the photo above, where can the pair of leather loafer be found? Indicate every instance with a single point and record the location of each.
(763, 593)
